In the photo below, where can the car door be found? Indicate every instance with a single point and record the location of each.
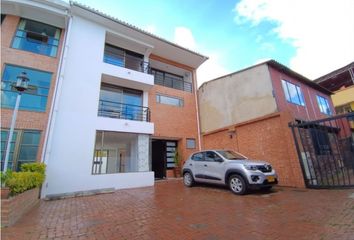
(197, 165)
(213, 167)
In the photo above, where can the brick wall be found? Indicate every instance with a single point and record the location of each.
(267, 138)
(14, 208)
(171, 122)
(27, 119)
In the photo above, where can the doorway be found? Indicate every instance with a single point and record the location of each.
(163, 152)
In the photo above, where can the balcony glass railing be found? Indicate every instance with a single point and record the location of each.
(122, 58)
(123, 111)
(36, 43)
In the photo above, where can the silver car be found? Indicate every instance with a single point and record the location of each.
(228, 168)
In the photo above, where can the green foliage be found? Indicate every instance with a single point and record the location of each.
(176, 159)
(22, 181)
(32, 175)
(33, 167)
(4, 177)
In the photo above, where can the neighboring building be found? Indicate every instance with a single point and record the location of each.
(341, 82)
(125, 104)
(249, 111)
(32, 34)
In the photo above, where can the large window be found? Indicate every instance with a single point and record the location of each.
(171, 80)
(23, 148)
(293, 93)
(33, 99)
(37, 37)
(124, 58)
(174, 101)
(123, 103)
(117, 152)
(323, 105)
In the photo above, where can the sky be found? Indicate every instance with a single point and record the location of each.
(312, 37)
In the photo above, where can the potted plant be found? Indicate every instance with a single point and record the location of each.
(177, 170)
(5, 191)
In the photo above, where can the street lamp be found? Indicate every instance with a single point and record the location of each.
(21, 85)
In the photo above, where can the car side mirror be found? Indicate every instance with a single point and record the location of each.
(220, 160)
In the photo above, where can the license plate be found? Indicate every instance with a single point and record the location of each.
(271, 179)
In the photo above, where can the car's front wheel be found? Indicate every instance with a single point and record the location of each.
(188, 179)
(237, 184)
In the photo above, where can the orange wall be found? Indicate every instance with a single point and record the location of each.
(174, 122)
(268, 138)
(27, 119)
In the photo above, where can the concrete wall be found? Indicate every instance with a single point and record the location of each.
(344, 96)
(311, 110)
(236, 98)
(267, 138)
(71, 145)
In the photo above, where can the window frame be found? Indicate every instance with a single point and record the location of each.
(46, 37)
(320, 106)
(195, 143)
(299, 94)
(173, 77)
(180, 100)
(29, 91)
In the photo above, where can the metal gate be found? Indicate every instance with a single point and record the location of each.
(326, 151)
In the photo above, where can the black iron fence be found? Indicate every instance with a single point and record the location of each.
(123, 111)
(125, 60)
(326, 151)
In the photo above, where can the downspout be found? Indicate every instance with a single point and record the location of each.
(197, 108)
(56, 97)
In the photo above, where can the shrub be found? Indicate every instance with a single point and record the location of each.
(33, 167)
(22, 181)
(4, 177)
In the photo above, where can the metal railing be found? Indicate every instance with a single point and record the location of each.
(123, 111)
(127, 61)
(326, 151)
(35, 42)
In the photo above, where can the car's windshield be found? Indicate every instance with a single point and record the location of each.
(231, 155)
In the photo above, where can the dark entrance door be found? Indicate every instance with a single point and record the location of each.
(158, 158)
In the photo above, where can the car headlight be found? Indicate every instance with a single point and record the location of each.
(251, 167)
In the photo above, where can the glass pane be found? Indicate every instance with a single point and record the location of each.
(28, 152)
(294, 98)
(301, 97)
(285, 88)
(31, 138)
(190, 143)
(41, 28)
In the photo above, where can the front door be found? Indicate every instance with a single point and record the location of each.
(158, 158)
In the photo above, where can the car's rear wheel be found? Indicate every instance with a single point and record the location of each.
(237, 184)
(188, 179)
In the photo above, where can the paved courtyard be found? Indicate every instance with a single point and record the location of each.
(171, 211)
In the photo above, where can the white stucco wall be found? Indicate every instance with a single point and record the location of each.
(70, 154)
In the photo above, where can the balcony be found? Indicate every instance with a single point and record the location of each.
(35, 42)
(123, 111)
(126, 59)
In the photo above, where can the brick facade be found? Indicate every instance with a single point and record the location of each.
(172, 122)
(267, 138)
(27, 119)
(14, 208)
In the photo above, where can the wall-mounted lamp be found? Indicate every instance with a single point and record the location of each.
(231, 133)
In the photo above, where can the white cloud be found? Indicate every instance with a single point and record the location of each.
(184, 37)
(210, 69)
(322, 32)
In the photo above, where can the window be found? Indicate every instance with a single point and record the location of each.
(171, 80)
(197, 157)
(191, 143)
(123, 103)
(117, 152)
(344, 109)
(174, 101)
(23, 148)
(211, 157)
(124, 58)
(293, 93)
(33, 99)
(323, 105)
(37, 37)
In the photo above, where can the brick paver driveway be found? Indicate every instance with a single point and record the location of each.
(171, 211)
